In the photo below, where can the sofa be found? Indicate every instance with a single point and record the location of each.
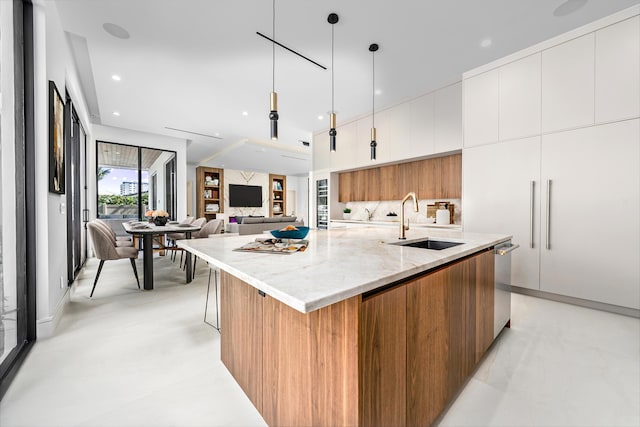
(258, 225)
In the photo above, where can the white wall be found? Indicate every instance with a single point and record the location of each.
(232, 176)
(142, 139)
(191, 177)
(53, 61)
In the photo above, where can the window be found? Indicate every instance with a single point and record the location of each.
(123, 176)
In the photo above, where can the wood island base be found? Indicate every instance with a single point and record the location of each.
(391, 357)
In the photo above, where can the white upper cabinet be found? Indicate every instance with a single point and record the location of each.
(520, 98)
(618, 71)
(421, 126)
(393, 133)
(346, 140)
(321, 159)
(448, 118)
(481, 111)
(568, 84)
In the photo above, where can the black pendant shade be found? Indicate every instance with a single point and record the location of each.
(273, 116)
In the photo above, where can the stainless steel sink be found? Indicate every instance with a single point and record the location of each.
(436, 245)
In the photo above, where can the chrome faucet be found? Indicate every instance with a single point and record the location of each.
(404, 227)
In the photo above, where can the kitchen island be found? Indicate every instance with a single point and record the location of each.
(355, 330)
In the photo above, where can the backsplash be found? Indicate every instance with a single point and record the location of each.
(379, 210)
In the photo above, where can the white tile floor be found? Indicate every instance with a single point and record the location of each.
(131, 358)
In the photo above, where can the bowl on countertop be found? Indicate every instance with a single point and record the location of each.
(300, 233)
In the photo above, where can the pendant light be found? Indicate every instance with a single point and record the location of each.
(332, 19)
(373, 48)
(273, 114)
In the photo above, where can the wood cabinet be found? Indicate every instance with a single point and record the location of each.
(209, 192)
(449, 328)
(389, 358)
(435, 178)
(568, 84)
(278, 202)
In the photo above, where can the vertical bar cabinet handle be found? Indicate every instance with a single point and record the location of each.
(531, 203)
(548, 214)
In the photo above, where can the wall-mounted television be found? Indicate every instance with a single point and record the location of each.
(245, 196)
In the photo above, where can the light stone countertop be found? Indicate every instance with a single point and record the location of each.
(338, 263)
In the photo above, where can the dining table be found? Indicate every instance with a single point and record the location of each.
(147, 230)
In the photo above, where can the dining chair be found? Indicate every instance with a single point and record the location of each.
(124, 241)
(173, 237)
(105, 249)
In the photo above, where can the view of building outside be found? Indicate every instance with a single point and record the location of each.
(118, 192)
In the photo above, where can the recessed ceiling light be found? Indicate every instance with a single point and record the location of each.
(568, 7)
(115, 113)
(486, 42)
(116, 30)
(378, 92)
(117, 153)
(244, 113)
(217, 134)
(116, 77)
(320, 117)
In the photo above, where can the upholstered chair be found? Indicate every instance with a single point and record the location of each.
(105, 249)
(118, 240)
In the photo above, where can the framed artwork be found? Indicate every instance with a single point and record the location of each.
(56, 140)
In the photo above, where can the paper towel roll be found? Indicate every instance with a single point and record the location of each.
(442, 217)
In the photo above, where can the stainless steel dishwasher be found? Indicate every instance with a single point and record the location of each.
(502, 291)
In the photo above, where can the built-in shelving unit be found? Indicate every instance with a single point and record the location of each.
(209, 192)
(278, 202)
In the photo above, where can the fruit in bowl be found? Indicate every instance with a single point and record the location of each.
(290, 232)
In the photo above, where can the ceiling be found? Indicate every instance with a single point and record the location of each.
(125, 156)
(196, 65)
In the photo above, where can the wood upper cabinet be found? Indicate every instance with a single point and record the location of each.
(389, 188)
(435, 178)
(345, 186)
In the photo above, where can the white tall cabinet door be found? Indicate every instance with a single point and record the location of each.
(481, 108)
(618, 71)
(520, 98)
(498, 197)
(421, 126)
(568, 84)
(594, 220)
(448, 118)
(346, 140)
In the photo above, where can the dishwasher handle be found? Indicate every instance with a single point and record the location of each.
(506, 250)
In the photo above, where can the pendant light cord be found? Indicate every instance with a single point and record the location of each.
(273, 51)
(373, 90)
